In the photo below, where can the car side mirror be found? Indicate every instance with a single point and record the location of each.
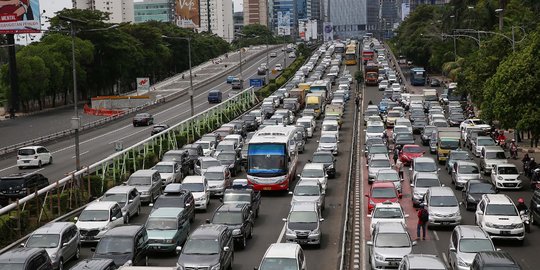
(321, 219)
(284, 219)
(366, 195)
(113, 218)
(22, 245)
(226, 249)
(76, 218)
(410, 169)
(414, 243)
(178, 249)
(130, 201)
(369, 243)
(125, 183)
(406, 215)
(368, 215)
(151, 204)
(64, 244)
(188, 204)
(452, 249)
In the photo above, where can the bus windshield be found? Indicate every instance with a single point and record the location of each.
(267, 159)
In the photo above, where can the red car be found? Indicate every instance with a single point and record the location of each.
(381, 192)
(410, 152)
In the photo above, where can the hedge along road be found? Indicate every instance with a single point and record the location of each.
(96, 144)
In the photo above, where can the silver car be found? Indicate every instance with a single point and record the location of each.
(148, 183)
(442, 206)
(465, 242)
(420, 184)
(463, 171)
(61, 240)
(390, 242)
(328, 142)
(376, 163)
(422, 262)
(308, 191)
(127, 197)
(303, 224)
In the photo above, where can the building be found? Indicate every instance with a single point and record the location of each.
(154, 10)
(219, 20)
(349, 17)
(283, 19)
(119, 10)
(415, 3)
(238, 21)
(373, 14)
(255, 12)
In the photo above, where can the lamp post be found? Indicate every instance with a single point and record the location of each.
(500, 11)
(190, 92)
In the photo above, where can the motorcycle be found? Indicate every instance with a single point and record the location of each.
(502, 143)
(513, 151)
(526, 218)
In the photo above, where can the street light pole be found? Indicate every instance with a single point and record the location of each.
(190, 92)
(75, 121)
(267, 62)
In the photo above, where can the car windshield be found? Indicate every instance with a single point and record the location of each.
(401, 130)
(392, 240)
(425, 167)
(328, 139)
(459, 156)
(225, 147)
(214, 176)
(193, 187)
(204, 145)
(120, 198)
(481, 188)
(227, 156)
(501, 210)
(114, 245)
(303, 217)
(304, 124)
(20, 266)
(379, 163)
(164, 168)
(388, 176)
(201, 247)
(161, 224)
(475, 245)
(312, 173)
(139, 181)
(326, 158)
(394, 114)
(468, 169)
(237, 197)
(449, 144)
(383, 212)
(507, 170)
(375, 129)
(279, 264)
(210, 163)
(227, 218)
(383, 193)
(495, 155)
(404, 137)
(443, 201)
(378, 149)
(43, 241)
(94, 215)
(486, 142)
(412, 150)
(307, 191)
(427, 182)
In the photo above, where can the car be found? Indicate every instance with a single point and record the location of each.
(273, 54)
(243, 193)
(97, 218)
(167, 228)
(181, 157)
(455, 155)
(330, 127)
(174, 195)
(478, 145)
(232, 159)
(278, 67)
(442, 206)
(506, 176)
(215, 96)
(328, 142)
(409, 152)
(383, 85)
(283, 256)
(239, 220)
(33, 156)
(465, 242)
(128, 198)
(20, 185)
(329, 161)
(376, 149)
(314, 171)
(169, 171)
(261, 70)
(392, 176)
(210, 246)
(474, 122)
(497, 215)
(292, 55)
(435, 82)
(303, 224)
(26, 259)
(425, 134)
(309, 191)
(418, 125)
(219, 179)
(230, 78)
(421, 262)
(198, 186)
(94, 264)
(420, 184)
(158, 128)
(403, 139)
(123, 244)
(236, 84)
(193, 151)
(203, 163)
(144, 119)
(492, 156)
(463, 171)
(392, 116)
(399, 129)
(455, 119)
(227, 146)
(486, 260)
(390, 242)
(387, 212)
(473, 190)
(61, 240)
(376, 163)
(308, 123)
(148, 183)
(423, 164)
(382, 192)
(374, 129)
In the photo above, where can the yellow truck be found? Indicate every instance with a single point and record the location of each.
(314, 101)
(447, 139)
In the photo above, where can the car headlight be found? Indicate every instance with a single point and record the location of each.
(518, 225)
(315, 232)
(215, 267)
(462, 263)
(499, 177)
(470, 198)
(379, 257)
(489, 224)
(145, 192)
(236, 232)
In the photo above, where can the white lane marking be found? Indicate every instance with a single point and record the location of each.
(38, 170)
(445, 259)
(85, 152)
(436, 235)
(7, 168)
(282, 233)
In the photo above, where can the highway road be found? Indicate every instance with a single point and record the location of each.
(438, 239)
(98, 143)
(269, 227)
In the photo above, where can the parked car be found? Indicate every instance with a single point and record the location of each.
(33, 156)
(143, 119)
(209, 246)
(123, 244)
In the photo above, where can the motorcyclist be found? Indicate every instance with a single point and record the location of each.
(513, 149)
(532, 164)
(501, 139)
(526, 158)
(521, 205)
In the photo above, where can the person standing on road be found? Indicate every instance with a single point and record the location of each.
(399, 168)
(396, 153)
(357, 101)
(423, 219)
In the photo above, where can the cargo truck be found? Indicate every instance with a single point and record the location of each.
(447, 139)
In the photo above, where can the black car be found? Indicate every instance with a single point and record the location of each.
(21, 184)
(159, 128)
(241, 192)
(122, 244)
(455, 119)
(232, 159)
(143, 119)
(210, 246)
(329, 161)
(250, 121)
(239, 127)
(403, 139)
(182, 158)
(535, 211)
(26, 259)
(175, 196)
(434, 82)
(194, 151)
(261, 71)
(425, 134)
(485, 260)
(238, 218)
(473, 191)
(418, 126)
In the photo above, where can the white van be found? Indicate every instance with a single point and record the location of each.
(199, 188)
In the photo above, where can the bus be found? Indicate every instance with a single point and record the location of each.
(350, 56)
(418, 76)
(339, 48)
(272, 158)
(367, 55)
(453, 94)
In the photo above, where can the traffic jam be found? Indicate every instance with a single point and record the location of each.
(234, 167)
(437, 180)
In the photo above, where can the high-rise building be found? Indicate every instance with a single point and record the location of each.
(283, 17)
(238, 21)
(301, 9)
(349, 17)
(154, 10)
(415, 3)
(119, 10)
(255, 12)
(217, 17)
(373, 15)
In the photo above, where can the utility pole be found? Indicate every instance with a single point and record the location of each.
(14, 81)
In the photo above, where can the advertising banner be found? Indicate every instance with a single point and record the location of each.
(19, 16)
(284, 23)
(328, 31)
(143, 85)
(187, 12)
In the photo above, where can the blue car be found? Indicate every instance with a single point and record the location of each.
(230, 79)
(383, 106)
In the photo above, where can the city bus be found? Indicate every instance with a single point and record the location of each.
(272, 158)
(339, 48)
(350, 56)
(418, 76)
(367, 55)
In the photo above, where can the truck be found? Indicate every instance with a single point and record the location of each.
(447, 139)
(304, 86)
(430, 95)
(300, 94)
(315, 101)
(242, 193)
(371, 74)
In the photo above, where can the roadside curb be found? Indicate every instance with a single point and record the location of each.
(528, 150)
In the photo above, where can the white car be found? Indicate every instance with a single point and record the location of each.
(498, 216)
(387, 212)
(127, 197)
(505, 176)
(374, 129)
(97, 218)
(199, 188)
(315, 171)
(292, 55)
(328, 142)
(169, 171)
(383, 85)
(395, 87)
(474, 122)
(278, 67)
(33, 156)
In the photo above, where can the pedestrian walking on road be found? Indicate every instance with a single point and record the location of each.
(399, 168)
(396, 153)
(423, 219)
(357, 101)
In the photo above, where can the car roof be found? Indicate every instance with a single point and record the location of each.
(166, 212)
(379, 156)
(123, 230)
(231, 207)
(466, 162)
(441, 191)
(227, 142)
(34, 147)
(303, 206)
(388, 204)
(304, 182)
(498, 199)
(216, 168)
(507, 165)
(171, 163)
(87, 264)
(120, 189)
(144, 173)
(208, 231)
(471, 231)
(193, 179)
(18, 255)
(390, 227)
(314, 166)
(425, 261)
(282, 250)
(203, 159)
(53, 228)
(173, 188)
(426, 175)
(100, 205)
(498, 258)
(383, 184)
(493, 148)
(424, 159)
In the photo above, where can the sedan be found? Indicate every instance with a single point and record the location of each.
(472, 193)
(435, 82)
(273, 54)
(158, 128)
(382, 192)
(144, 119)
(410, 152)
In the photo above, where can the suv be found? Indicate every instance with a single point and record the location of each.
(314, 171)
(210, 246)
(124, 244)
(33, 156)
(238, 218)
(127, 197)
(387, 212)
(279, 253)
(497, 215)
(232, 159)
(308, 191)
(61, 240)
(465, 242)
(494, 260)
(21, 184)
(199, 189)
(181, 157)
(442, 206)
(303, 224)
(26, 259)
(491, 156)
(390, 242)
(218, 178)
(148, 183)
(97, 218)
(167, 228)
(463, 171)
(175, 196)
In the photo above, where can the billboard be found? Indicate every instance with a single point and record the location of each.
(18, 17)
(284, 23)
(328, 31)
(187, 13)
(307, 29)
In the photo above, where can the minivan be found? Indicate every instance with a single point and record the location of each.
(283, 256)
(33, 156)
(26, 259)
(127, 197)
(148, 183)
(167, 228)
(215, 96)
(210, 246)
(97, 218)
(303, 224)
(124, 244)
(21, 184)
(442, 206)
(494, 260)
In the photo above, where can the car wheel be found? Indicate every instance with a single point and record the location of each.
(21, 167)
(243, 244)
(50, 160)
